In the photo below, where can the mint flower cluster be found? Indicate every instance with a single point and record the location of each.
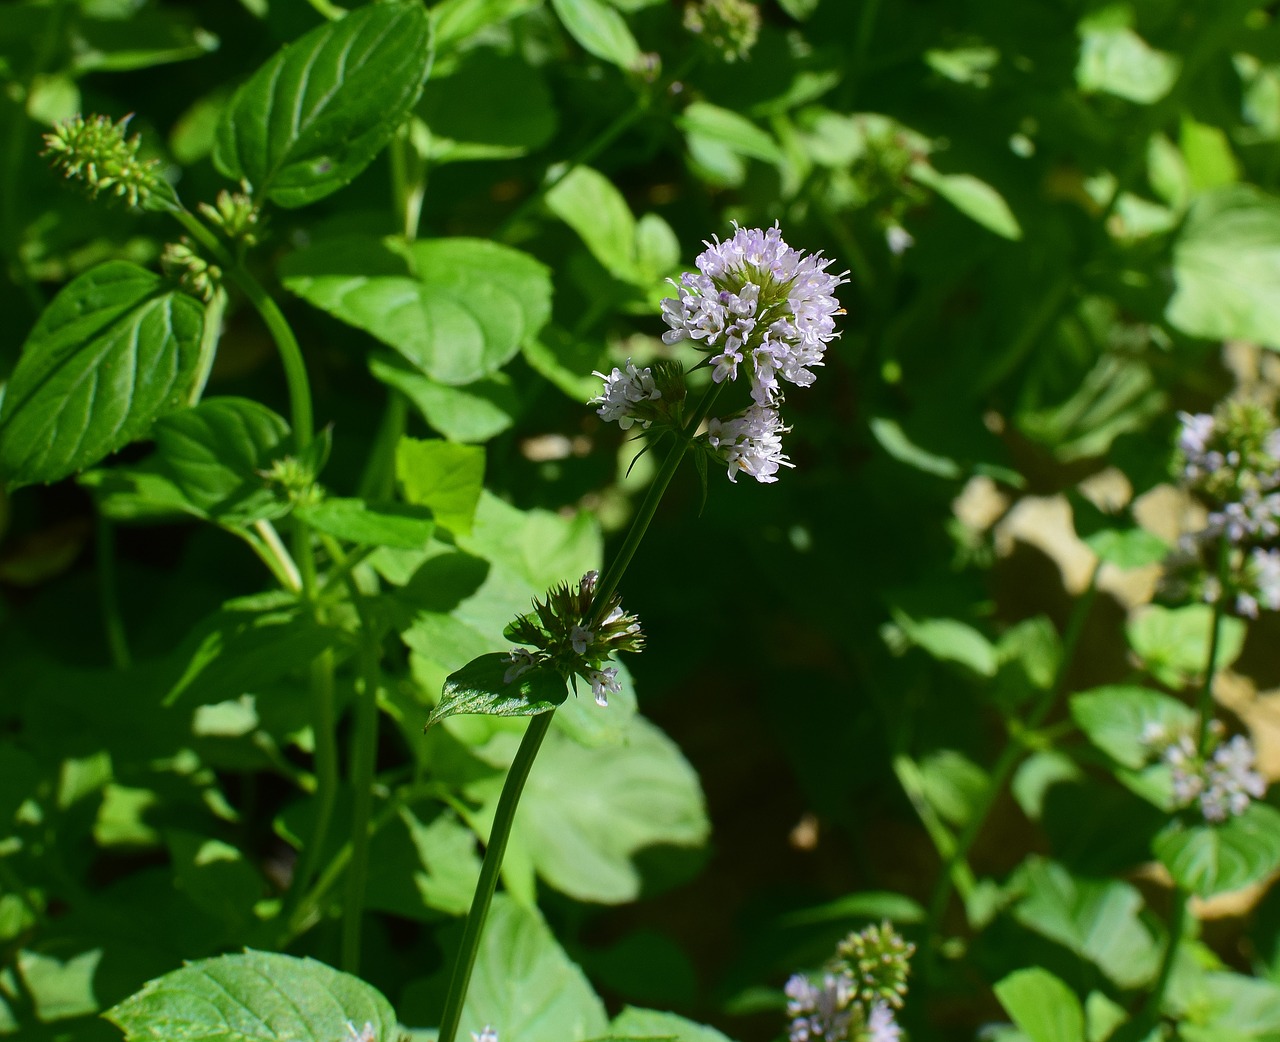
(857, 992)
(760, 311)
(566, 637)
(96, 152)
(1231, 460)
(1222, 781)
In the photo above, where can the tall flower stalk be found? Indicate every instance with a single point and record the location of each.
(754, 308)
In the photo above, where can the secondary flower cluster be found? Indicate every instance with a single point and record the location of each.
(757, 308)
(1231, 460)
(1222, 781)
(855, 995)
(568, 639)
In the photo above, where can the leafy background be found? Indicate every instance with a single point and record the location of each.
(833, 660)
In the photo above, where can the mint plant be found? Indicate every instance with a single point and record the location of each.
(361, 430)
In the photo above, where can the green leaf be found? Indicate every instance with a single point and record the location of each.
(541, 547)
(458, 309)
(154, 36)
(524, 982)
(954, 785)
(599, 30)
(316, 114)
(1216, 859)
(472, 413)
(458, 20)
(590, 204)
(418, 869)
(650, 1023)
(399, 525)
(215, 453)
(587, 812)
(254, 997)
(1116, 60)
(895, 441)
(1114, 719)
(1128, 548)
(480, 687)
(705, 122)
(444, 477)
(871, 904)
(115, 349)
(1042, 1006)
(246, 644)
(1173, 642)
(1096, 919)
(972, 197)
(950, 640)
(1226, 265)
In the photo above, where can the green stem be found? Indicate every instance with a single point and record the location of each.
(1012, 754)
(295, 369)
(379, 476)
(109, 595)
(640, 524)
(912, 781)
(1177, 925)
(364, 754)
(498, 836)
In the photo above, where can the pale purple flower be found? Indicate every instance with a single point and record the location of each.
(881, 1025)
(365, 1034)
(1265, 570)
(522, 660)
(580, 638)
(624, 395)
(1253, 516)
(898, 239)
(604, 682)
(487, 1035)
(820, 1011)
(750, 291)
(751, 442)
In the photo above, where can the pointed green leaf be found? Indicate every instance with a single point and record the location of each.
(1042, 1006)
(599, 30)
(1172, 642)
(480, 687)
(316, 114)
(974, 198)
(590, 204)
(254, 997)
(472, 413)
(1114, 719)
(637, 1023)
(444, 477)
(114, 350)
(400, 525)
(458, 309)
(1226, 265)
(215, 453)
(524, 984)
(1216, 859)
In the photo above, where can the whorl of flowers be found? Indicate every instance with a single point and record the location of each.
(96, 152)
(1222, 781)
(566, 637)
(1230, 459)
(754, 307)
(727, 27)
(855, 995)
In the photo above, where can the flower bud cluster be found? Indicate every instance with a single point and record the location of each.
(855, 996)
(567, 638)
(182, 261)
(236, 216)
(728, 28)
(757, 308)
(97, 153)
(1222, 781)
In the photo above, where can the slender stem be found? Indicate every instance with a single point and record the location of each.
(498, 836)
(1177, 925)
(912, 781)
(295, 369)
(1012, 753)
(364, 754)
(640, 524)
(109, 595)
(286, 571)
(379, 475)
